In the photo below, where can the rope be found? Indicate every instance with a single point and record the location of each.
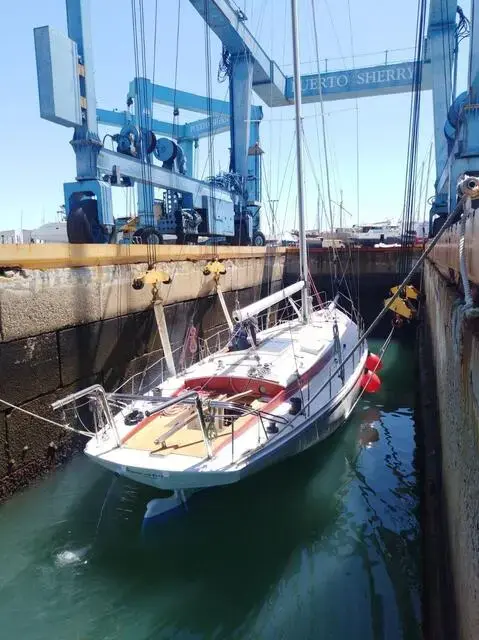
(47, 420)
(425, 190)
(382, 351)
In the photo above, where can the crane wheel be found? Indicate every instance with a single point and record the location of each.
(79, 228)
(259, 239)
(148, 235)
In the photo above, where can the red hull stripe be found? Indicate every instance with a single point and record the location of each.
(285, 394)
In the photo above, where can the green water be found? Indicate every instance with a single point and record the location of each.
(323, 546)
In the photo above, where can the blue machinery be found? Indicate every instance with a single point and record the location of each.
(228, 205)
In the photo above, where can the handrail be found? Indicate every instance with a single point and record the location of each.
(190, 398)
(201, 418)
(191, 395)
(97, 392)
(95, 388)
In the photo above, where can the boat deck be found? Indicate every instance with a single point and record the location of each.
(178, 432)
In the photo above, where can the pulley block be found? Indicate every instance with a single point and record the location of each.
(215, 268)
(152, 277)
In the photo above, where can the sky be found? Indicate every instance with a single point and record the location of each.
(37, 157)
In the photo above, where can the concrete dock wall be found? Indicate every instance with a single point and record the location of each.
(454, 342)
(38, 301)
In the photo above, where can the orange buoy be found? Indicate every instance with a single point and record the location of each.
(370, 382)
(373, 362)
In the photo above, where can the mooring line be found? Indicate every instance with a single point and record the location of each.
(38, 417)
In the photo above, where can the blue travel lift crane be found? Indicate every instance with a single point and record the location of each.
(225, 206)
(228, 206)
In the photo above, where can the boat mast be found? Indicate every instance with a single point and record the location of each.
(303, 257)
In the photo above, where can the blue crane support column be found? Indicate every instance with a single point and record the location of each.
(474, 55)
(241, 82)
(441, 39)
(471, 142)
(86, 142)
(464, 157)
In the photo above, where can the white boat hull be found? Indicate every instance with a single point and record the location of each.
(304, 434)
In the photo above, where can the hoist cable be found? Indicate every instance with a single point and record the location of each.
(209, 103)
(144, 111)
(175, 106)
(138, 89)
(141, 186)
(155, 33)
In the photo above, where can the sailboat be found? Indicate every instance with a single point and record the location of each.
(268, 395)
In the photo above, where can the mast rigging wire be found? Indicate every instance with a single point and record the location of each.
(403, 284)
(146, 117)
(175, 106)
(356, 102)
(407, 240)
(323, 120)
(332, 251)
